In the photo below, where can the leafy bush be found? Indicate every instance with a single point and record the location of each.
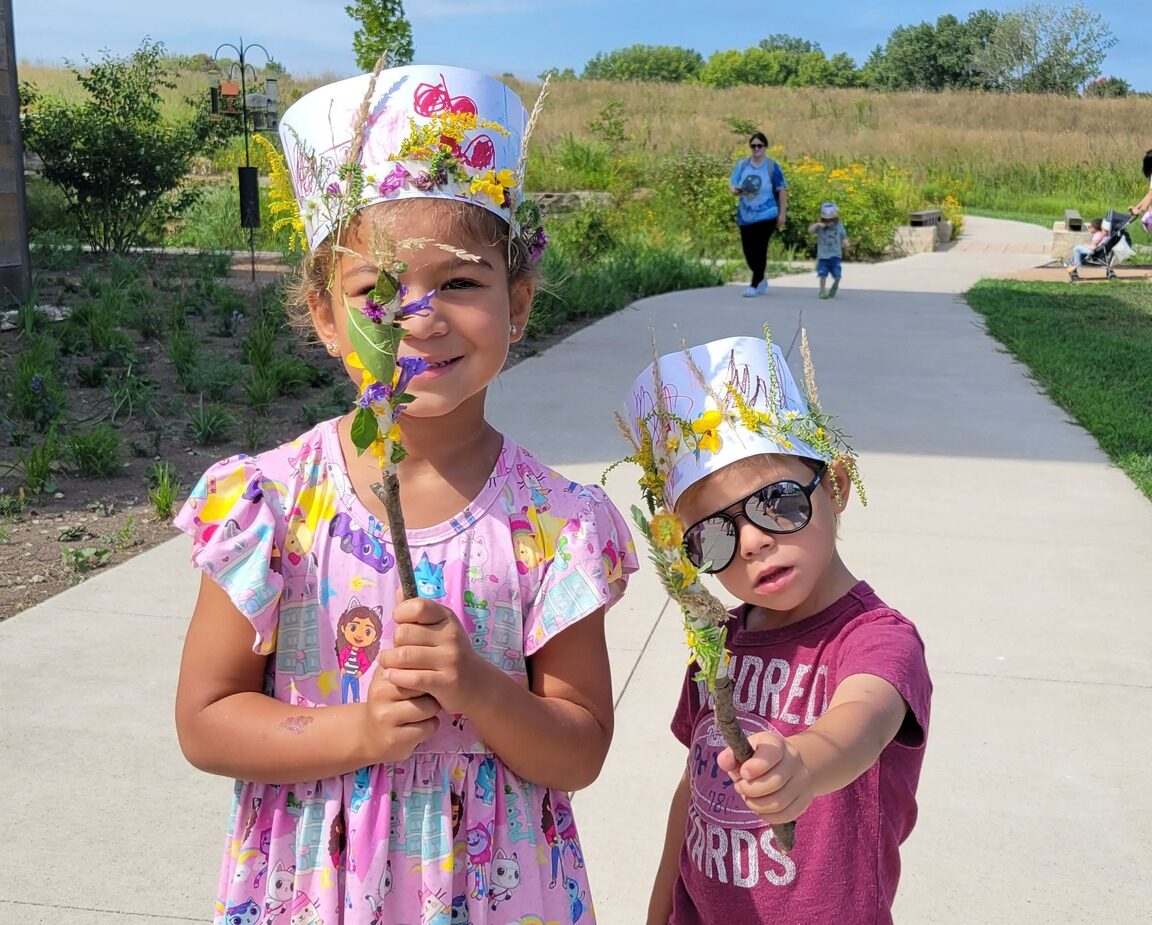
(97, 453)
(38, 397)
(163, 489)
(118, 161)
(664, 63)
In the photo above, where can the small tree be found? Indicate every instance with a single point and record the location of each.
(383, 30)
(1108, 87)
(118, 160)
(665, 63)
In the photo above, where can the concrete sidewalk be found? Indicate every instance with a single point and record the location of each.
(993, 522)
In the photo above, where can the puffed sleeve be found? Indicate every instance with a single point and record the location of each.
(588, 555)
(232, 516)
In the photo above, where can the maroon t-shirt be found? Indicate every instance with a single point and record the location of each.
(846, 861)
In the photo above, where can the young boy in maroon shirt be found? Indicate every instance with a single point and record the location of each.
(829, 683)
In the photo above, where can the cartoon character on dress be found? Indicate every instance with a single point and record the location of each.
(530, 481)
(361, 545)
(479, 857)
(357, 645)
(566, 826)
(361, 789)
(245, 913)
(575, 899)
(376, 903)
(552, 838)
(429, 578)
(337, 839)
(505, 877)
(613, 563)
(486, 780)
(436, 912)
(304, 911)
(279, 892)
(315, 507)
(460, 914)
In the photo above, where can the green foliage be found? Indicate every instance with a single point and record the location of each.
(97, 453)
(210, 424)
(611, 125)
(129, 392)
(1045, 49)
(38, 396)
(184, 351)
(1107, 88)
(933, 57)
(38, 464)
(163, 489)
(657, 63)
(85, 559)
(779, 61)
(118, 161)
(695, 200)
(383, 30)
(586, 234)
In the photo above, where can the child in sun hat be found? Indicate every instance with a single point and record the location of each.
(831, 242)
(405, 761)
(828, 683)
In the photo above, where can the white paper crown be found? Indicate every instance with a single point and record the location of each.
(709, 406)
(440, 132)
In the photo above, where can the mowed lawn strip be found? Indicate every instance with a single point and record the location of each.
(1090, 346)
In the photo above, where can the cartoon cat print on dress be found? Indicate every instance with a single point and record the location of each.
(280, 886)
(430, 578)
(436, 911)
(245, 913)
(505, 877)
(575, 899)
(362, 546)
(304, 911)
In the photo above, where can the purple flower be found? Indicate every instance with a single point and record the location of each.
(394, 180)
(373, 311)
(410, 368)
(333, 189)
(37, 384)
(536, 245)
(419, 308)
(424, 182)
(375, 393)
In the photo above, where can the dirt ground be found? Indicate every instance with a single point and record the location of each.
(59, 538)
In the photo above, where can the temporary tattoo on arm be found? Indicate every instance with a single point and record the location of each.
(296, 724)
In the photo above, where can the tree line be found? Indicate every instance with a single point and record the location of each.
(1035, 49)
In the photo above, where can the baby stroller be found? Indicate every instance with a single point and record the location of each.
(1114, 249)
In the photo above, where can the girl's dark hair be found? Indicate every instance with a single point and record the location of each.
(1148, 164)
(458, 221)
(760, 137)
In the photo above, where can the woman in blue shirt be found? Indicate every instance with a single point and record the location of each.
(762, 207)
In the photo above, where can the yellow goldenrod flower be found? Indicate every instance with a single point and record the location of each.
(667, 531)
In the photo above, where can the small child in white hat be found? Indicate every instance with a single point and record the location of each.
(831, 242)
(827, 681)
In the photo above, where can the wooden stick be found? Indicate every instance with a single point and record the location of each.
(388, 491)
(734, 736)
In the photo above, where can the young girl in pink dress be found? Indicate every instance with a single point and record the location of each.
(405, 762)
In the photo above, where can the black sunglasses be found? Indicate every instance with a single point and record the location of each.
(756, 144)
(779, 507)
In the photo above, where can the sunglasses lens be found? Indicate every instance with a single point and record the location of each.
(781, 507)
(711, 542)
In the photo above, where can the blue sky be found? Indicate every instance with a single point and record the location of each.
(523, 37)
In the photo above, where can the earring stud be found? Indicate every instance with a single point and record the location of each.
(514, 329)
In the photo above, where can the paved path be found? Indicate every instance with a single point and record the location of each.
(994, 522)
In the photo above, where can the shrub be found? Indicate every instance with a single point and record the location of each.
(97, 453)
(163, 489)
(118, 161)
(210, 424)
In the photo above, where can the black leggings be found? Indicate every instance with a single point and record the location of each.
(754, 239)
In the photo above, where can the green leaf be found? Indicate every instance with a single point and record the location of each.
(399, 454)
(376, 344)
(403, 399)
(364, 429)
(387, 288)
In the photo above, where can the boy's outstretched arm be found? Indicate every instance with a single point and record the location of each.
(660, 905)
(785, 774)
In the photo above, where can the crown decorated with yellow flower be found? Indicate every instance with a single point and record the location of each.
(405, 132)
(700, 409)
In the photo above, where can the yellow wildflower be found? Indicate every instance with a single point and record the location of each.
(672, 444)
(494, 185)
(667, 531)
(705, 428)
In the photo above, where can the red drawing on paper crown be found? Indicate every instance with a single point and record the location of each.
(431, 99)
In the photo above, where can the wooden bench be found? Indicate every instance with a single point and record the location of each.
(926, 218)
(1072, 220)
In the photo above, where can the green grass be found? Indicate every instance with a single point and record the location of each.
(1090, 347)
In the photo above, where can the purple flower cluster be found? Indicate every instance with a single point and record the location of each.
(430, 180)
(410, 368)
(333, 189)
(373, 311)
(537, 242)
(375, 393)
(394, 180)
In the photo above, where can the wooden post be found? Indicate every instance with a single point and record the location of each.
(15, 274)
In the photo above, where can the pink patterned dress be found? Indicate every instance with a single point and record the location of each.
(451, 835)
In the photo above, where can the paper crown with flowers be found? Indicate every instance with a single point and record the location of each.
(405, 132)
(693, 412)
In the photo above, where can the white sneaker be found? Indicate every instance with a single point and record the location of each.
(763, 287)
(751, 292)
